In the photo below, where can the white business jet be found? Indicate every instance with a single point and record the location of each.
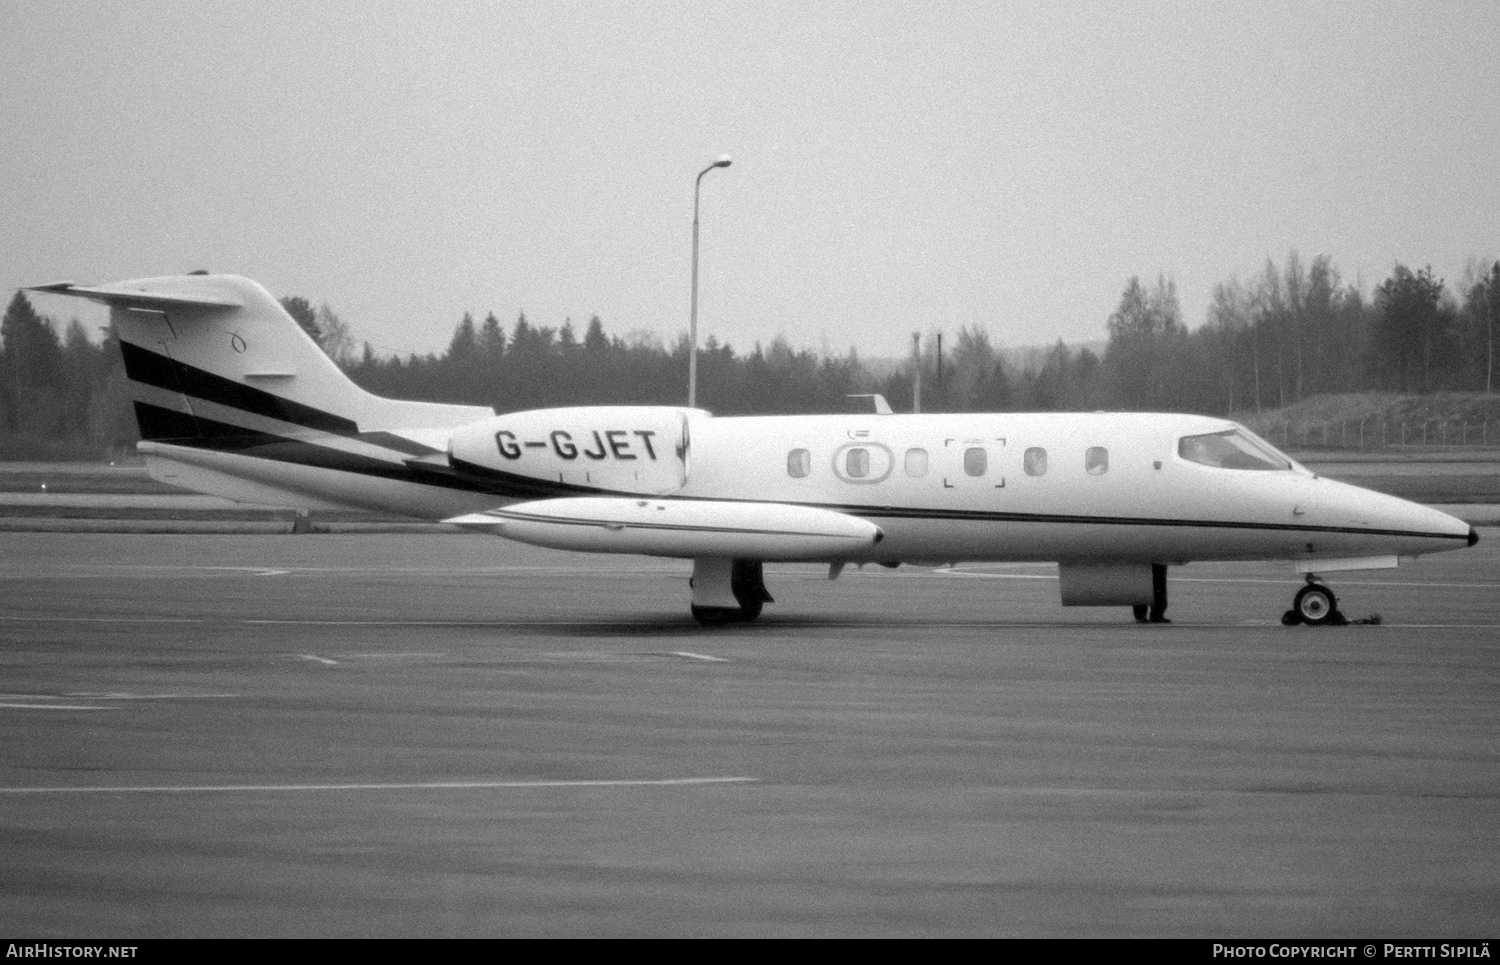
(234, 399)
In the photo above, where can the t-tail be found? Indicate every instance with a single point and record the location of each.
(232, 397)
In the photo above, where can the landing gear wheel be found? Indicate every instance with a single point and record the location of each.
(1156, 610)
(714, 616)
(1315, 605)
(748, 583)
(749, 611)
(728, 591)
(718, 616)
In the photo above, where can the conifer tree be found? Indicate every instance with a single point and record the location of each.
(30, 371)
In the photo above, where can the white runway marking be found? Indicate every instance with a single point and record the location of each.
(994, 576)
(1334, 577)
(8, 618)
(1336, 580)
(323, 660)
(477, 624)
(413, 786)
(30, 700)
(101, 695)
(151, 568)
(698, 656)
(669, 626)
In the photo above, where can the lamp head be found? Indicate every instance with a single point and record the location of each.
(723, 162)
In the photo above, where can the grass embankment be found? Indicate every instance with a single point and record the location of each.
(1457, 434)
(1441, 426)
(98, 478)
(127, 481)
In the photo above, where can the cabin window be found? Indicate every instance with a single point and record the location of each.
(976, 460)
(916, 462)
(857, 463)
(1035, 461)
(1232, 449)
(1096, 461)
(798, 463)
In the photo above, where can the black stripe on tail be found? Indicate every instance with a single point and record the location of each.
(151, 368)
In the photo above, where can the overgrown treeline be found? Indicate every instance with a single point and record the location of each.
(1292, 332)
(60, 397)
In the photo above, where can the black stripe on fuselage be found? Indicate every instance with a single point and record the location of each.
(183, 429)
(162, 372)
(389, 440)
(527, 487)
(896, 512)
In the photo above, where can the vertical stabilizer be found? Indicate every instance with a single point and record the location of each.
(215, 357)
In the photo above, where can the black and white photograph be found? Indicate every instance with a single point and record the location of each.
(588, 469)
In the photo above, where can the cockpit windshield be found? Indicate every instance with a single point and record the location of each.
(1235, 448)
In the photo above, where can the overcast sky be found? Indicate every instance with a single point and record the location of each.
(896, 165)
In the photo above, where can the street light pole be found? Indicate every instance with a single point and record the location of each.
(722, 162)
(1489, 328)
(916, 371)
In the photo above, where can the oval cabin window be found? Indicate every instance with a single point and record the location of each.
(1096, 461)
(864, 464)
(976, 460)
(798, 463)
(1035, 461)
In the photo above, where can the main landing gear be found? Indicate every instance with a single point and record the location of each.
(1314, 605)
(1156, 611)
(727, 591)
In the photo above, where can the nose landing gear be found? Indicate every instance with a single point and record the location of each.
(1314, 605)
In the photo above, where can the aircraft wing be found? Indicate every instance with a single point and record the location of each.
(686, 528)
(130, 298)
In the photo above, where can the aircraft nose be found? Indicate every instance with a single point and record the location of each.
(1473, 536)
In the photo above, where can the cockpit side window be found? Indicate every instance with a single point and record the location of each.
(1231, 449)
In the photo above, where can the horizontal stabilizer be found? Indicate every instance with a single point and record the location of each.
(686, 528)
(133, 298)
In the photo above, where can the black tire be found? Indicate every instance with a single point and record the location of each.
(718, 616)
(749, 587)
(1316, 605)
(714, 616)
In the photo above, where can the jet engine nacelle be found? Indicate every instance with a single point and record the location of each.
(638, 449)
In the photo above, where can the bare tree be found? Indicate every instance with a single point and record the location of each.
(337, 341)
